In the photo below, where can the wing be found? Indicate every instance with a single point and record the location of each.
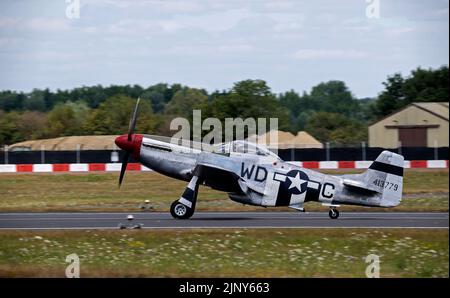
(218, 178)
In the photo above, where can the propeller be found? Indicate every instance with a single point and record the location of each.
(133, 120)
(127, 155)
(124, 166)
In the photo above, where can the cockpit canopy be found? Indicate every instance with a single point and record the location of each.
(244, 147)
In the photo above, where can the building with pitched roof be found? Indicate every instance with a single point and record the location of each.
(419, 124)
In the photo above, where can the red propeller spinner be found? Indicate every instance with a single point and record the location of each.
(133, 146)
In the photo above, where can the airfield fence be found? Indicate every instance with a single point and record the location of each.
(294, 154)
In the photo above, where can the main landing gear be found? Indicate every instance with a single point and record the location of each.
(333, 213)
(180, 211)
(184, 207)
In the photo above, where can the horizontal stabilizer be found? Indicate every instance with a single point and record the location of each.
(361, 186)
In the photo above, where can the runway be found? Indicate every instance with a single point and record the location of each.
(158, 220)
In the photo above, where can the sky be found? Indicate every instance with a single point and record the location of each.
(212, 44)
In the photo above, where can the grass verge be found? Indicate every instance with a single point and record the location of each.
(423, 191)
(226, 253)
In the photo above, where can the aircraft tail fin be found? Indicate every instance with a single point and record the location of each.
(385, 176)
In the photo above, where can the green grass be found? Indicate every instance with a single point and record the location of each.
(225, 253)
(424, 191)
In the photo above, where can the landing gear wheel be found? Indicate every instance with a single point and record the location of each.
(180, 211)
(334, 213)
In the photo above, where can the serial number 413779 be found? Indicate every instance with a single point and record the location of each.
(385, 184)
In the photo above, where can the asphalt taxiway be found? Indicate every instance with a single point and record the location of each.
(158, 220)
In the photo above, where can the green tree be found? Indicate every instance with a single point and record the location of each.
(290, 100)
(159, 95)
(393, 97)
(35, 101)
(31, 125)
(67, 119)
(186, 100)
(333, 97)
(421, 85)
(11, 101)
(427, 85)
(20, 126)
(300, 108)
(336, 129)
(248, 99)
(156, 98)
(8, 128)
(113, 117)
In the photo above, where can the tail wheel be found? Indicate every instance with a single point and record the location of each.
(180, 211)
(334, 213)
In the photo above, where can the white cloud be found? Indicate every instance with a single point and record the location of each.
(91, 29)
(35, 24)
(219, 41)
(311, 54)
(166, 6)
(442, 12)
(236, 48)
(214, 22)
(279, 5)
(400, 31)
(8, 22)
(47, 24)
(180, 6)
(169, 25)
(138, 27)
(9, 42)
(48, 55)
(288, 26)
(212, 49)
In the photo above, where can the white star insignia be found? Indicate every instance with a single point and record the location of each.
(296, 182)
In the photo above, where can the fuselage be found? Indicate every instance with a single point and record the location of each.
(263, 180)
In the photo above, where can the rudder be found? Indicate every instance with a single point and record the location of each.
(385, 175)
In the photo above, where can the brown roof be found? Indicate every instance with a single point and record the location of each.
(438, 109)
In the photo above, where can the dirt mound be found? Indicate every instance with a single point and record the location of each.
(68, 143)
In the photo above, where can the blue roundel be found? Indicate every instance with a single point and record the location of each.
(295, 183)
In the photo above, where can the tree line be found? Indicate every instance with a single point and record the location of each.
(329, 111)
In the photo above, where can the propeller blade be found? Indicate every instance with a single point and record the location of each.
(133, 120)
(124, 166)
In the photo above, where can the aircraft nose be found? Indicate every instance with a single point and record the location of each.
(133, 146)
(122, 142)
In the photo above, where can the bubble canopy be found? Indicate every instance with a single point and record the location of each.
(238, 146)
(244, 147)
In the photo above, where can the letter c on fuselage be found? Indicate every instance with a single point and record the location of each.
(328, 190)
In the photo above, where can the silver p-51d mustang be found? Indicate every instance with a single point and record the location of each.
(251, 174)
